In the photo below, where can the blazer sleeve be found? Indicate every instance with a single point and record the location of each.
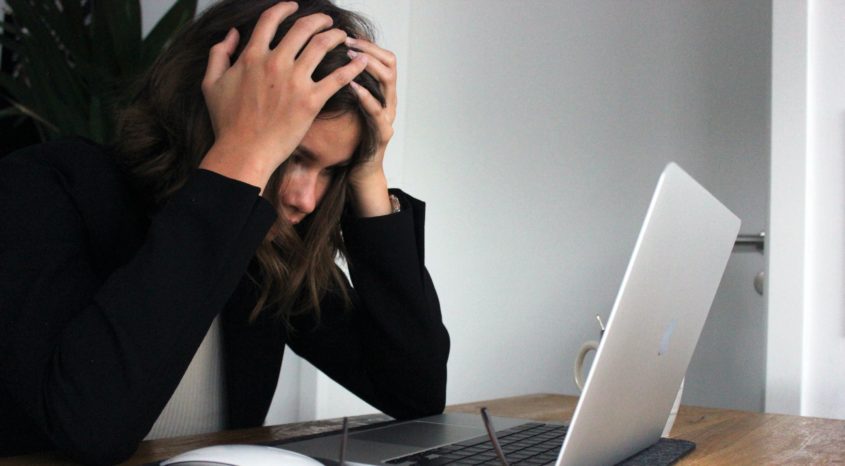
(92, 360)
(391, 347)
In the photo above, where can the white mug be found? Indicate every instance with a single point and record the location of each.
(578, 369)
(578, 375)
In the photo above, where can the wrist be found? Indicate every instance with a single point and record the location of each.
(238, 163)
(370, 197)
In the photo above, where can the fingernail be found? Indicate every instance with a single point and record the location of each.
(350, 41)
(355, 85)
(352, 53)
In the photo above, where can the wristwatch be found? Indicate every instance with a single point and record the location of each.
(395, 204)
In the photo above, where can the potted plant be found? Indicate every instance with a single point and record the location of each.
(74, 60)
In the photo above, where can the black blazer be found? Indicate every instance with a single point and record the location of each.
(102, 306)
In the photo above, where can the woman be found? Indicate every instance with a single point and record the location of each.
(205, 242)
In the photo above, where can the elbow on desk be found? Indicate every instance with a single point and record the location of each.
(432, 404)
(433, 407)
(428, 407)
(426, 397)
(431, 398)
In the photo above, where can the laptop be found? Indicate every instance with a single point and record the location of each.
(666, 293)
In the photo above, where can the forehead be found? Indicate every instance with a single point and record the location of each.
(333, 140)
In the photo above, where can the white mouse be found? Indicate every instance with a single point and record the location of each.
(241, 455)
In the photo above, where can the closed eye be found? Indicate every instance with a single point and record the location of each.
(302, 156)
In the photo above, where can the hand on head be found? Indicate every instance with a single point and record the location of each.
(381, 64)
(262, 105)
(367, 179)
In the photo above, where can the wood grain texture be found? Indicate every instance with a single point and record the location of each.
(722, 436)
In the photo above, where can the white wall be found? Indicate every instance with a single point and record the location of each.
(786, 224)
(807, 260)
(823, 381)
(536, 132)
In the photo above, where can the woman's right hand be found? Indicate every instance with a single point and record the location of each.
(262, 106)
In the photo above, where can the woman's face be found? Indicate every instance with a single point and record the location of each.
(327, 146)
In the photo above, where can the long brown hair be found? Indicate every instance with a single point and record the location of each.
(165, 132)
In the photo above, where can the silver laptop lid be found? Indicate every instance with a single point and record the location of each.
(666, 294)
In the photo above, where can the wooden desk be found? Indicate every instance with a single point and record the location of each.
(722, 436)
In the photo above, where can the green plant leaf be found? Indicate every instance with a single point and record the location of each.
(118, 25)
(102, 52)
(71, 39)
(56, 93)
(40, 120)
(43, 62)
(10, 112)
(73, 65)
(77, 29)
(181, 12)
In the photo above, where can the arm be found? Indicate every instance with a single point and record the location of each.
(391, 349)
(89, 357)
(367, 180)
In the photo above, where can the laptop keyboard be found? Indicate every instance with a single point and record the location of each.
(529, 444)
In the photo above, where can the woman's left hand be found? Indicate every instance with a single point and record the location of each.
(369, 184)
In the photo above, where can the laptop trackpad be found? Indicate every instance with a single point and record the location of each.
(420, 434)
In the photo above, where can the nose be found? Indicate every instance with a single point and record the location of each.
(300, 191)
